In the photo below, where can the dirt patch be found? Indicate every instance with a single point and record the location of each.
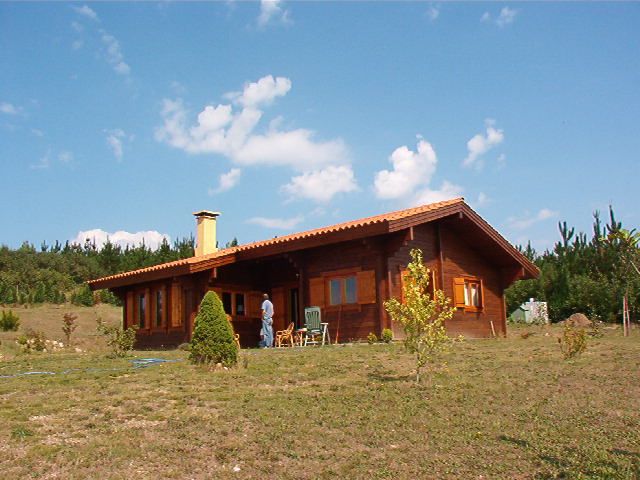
(579, 320)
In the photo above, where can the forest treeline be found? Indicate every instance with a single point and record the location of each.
(56, 273)
(585, 274)
(581, 273)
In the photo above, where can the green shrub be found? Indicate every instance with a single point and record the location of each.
(83, 296)
(9, 321)
(121, 341)
(573, 341)
(68, 326)
(372, 338)
(387, 335)
(212, 340)
(32, 341)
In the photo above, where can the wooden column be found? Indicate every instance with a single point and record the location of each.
(382, 289)
(440, 255)
(147, 309)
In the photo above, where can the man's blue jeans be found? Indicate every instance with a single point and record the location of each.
(267, 328)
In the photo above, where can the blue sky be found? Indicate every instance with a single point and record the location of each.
(122, 119)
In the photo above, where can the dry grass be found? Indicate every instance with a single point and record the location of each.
(509, 408)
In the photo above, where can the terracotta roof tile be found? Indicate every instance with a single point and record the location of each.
(386, 217)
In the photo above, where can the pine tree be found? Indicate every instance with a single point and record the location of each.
(212, 340)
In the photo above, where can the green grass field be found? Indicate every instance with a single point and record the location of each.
(507, 408)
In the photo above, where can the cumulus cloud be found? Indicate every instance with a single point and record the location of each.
(227, 181)
(410, 169)
(9, 108)
(411, 177)
(526, 221)
(447, 191)
(86, 12)
(262, 92)
(114, 54)
(276, 223)
(271, 11)
(480, 144)
(506, 17)
(322, 185)
(150, 238)
(115, 140)
(230, 130)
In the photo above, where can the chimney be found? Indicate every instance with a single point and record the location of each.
(206, 241)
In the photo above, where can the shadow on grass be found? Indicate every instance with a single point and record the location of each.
(387, 378)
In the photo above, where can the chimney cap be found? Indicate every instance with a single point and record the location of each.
(206, 213)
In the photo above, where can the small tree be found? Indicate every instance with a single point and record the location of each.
(68, 326)
(212, 340)
(421, 315)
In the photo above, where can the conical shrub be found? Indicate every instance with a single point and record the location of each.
(212, 340)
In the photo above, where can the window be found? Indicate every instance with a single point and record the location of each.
(159, 307)
(343, 290)
(226, 302)
(239, 303)
(234, 303)
(468, 293)
(142, 309)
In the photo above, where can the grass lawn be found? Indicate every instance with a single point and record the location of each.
(507, 408)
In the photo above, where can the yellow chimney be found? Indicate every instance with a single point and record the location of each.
(206, 232)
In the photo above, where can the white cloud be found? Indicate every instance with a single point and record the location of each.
(433, 12)
(528, 220)
(114, 140)
(447, 191)
(277, 223)
(502, 160)
(322, 185)
(295, 148)
(65, 157)
(410, 169)
(37, 132)
(271, 11)
(87, 12)
(114, 54)
(506, 17)
(77, 44)
(227, 181)
(151, 238)
(77, 26)
(262, 92)
(222, 130)
(480, 144)
(481, 201)
(43, 163)
(9, 108)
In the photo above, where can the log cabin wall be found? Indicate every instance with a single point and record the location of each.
(458, 259)
(358, 258)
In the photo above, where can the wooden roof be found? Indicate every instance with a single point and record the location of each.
(362, 228)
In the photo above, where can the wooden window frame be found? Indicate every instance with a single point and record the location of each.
(433, 282)
(145, 292)
(162, 290)
(342, 278)
(467, 281)
(233, 291)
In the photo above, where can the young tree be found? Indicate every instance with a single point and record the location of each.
(421, 315)
(212, 340)
(68, 326)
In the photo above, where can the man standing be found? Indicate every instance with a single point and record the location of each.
(267, 321)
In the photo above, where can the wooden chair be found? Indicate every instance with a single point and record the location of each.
(312, 325)
(236, 336)
(285, 336)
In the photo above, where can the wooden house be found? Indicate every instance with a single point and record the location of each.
(348, 270)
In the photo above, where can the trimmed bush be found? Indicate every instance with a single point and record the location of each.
(9, 321)
(573, 341)
(212, 340)
(387, 335)
(372, 338)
